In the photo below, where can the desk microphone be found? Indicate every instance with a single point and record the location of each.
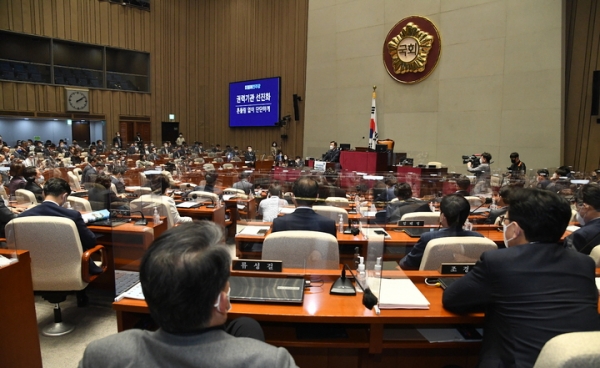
(142, 221)
(369, 299)
(487, 201)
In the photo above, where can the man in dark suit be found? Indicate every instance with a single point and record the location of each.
(455, 210)
(463, 183)
(56, 191)
(501, 199)
(249, 156)
(333, 155)
(117, 140)
(405, 204)
(531, 291)
(588, 215)
(244, 184)
(304, 217)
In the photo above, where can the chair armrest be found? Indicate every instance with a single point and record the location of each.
(85, 263)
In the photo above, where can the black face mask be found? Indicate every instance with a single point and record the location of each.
(513, 161)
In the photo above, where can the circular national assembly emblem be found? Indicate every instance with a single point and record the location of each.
(412, 49)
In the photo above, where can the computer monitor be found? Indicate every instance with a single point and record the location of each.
(381, 148)
(345, 146)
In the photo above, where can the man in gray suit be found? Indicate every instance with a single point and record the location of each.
(185, 279)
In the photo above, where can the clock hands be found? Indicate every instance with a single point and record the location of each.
(80, 99)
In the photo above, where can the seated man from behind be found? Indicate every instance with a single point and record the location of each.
(185, 279)
(455, 210)
(56, 191)
(244, 184)
(269, 208)
(405, 204)
(304, 217)
(588, 216)
(463, 183)
(532, 290)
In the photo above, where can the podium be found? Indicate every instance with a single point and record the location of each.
(423, 181)
(367, 162)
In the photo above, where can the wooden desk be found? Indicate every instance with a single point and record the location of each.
(20, 342)
(368, 162)
(125, 246)
(216, 215)
(364, 327)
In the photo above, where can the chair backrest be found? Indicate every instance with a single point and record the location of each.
(78, 172)
(302, 249)
(25, 196)
(435, 163)
(203, 194)
(228, 166)
(55, 261)
(332, 213)
(199, 160)
(80, 204)
(595, 254)
(142, 190)
(430, 218)
(146, 204)
(337, 201)
(74, 181)
(571, 350)
(208, 167)
(454, 249)
(473, 201)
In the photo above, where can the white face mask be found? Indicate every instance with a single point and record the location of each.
(40, 179)
(580, 219)
(330, 147)
(219, 300)
(506, 241)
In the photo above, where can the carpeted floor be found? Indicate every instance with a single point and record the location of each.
(96, 320)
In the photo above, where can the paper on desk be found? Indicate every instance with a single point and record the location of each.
(401, 294)
(134, 293)
(253, 230)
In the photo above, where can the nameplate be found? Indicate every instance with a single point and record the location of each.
(411, 223)
(257, 265)
(456, 268)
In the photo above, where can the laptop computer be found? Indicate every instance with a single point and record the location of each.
(267, 289)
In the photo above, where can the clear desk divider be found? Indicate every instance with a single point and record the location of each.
(8, 251)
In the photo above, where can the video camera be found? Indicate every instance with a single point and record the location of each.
(474, 160)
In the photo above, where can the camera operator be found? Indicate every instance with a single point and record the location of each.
(481, 171)
(517, 166)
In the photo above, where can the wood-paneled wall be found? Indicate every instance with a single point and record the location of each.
(196, 47)
(582, 132)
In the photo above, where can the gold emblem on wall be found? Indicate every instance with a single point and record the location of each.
(412, 49)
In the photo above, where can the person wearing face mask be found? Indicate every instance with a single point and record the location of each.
(35, 180)
(482, 171)
(333, 155)
(188, 297)
(517, 167)
(117, 140)
(56, 191)
(250, 156)
(455, 210)
(274, 149)
(531, 291)
(588, 216)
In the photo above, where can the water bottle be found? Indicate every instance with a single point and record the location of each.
(361, 274)
(341, 224)
(156, 217)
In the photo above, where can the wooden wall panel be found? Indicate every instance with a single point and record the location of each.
(582, 132)
(197, 48)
